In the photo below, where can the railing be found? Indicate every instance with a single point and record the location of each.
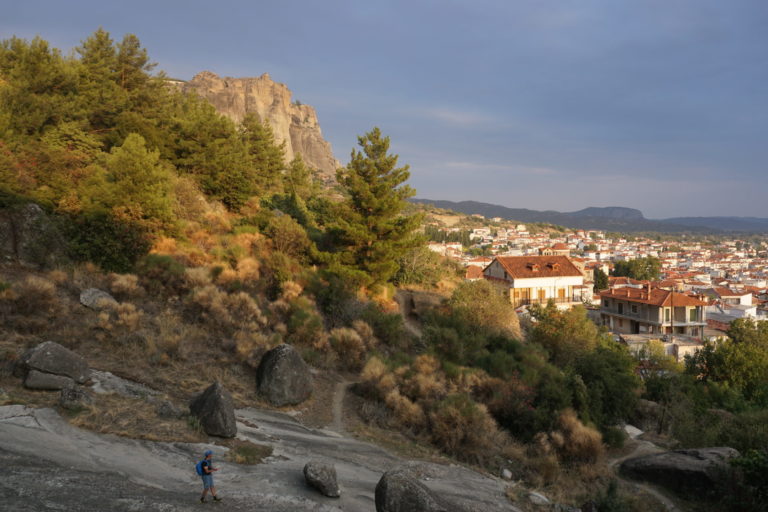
(556, 300)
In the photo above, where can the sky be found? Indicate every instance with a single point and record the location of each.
(660, 105)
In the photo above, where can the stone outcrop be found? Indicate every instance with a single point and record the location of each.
(75, 397)
(292, 123)
(96, 299)
(688, 472)
(215, 410)
(283, 378)
(399, 490)
(322, 477)
(42, 364)
(30, 237)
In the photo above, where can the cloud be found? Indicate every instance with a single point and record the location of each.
(455, 117)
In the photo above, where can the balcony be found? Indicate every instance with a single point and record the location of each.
(559, 300)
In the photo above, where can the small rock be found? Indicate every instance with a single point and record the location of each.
(506, 474)
(165, 409)
(96, 299)
(538, 499)
(50, 357)
(214, 408)
(283, 377)
(322, 477)
(47, 381)
(75, 397)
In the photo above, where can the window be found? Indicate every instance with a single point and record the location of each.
(694, 315)
(621, 322)
(666, 314)
(634, 308)
(606, 303)
(621, 308)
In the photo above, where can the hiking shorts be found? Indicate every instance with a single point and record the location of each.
(207, 481)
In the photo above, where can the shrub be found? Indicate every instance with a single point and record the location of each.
(349, 347)
(161, 274)
(407, 413)
(464, 429)
(225, 312)
(123, 316)
(572, 441)
(102, 238)
(35, 295)
(124, 285)
(197, 277)
(305, 325)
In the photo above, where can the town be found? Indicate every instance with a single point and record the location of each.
(700, 286)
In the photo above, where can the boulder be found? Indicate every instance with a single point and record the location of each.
(47, 381)
(75, 397)
(31, 237)
(399, 490)
(96, 299)
(50, 357)
(215, 410)
(283, 378)
(649, 417)
(166, 410)
(688, 472)
(322, 477)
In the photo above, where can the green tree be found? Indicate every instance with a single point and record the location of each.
(140, 181)
(641, 268)
(566, 335)
(481, 306)
(371, 231)
(601, 280)
(267, 156)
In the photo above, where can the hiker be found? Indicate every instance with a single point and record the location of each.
(207, 466)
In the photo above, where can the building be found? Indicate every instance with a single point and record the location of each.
(652, 311)
(538, 279)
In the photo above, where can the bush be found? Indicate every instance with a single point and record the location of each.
(349, 347)
(35, 295)
(113, 244)
(464, 429)
(161, 274)
(573, 442)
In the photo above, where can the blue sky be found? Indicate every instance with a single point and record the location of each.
(659, 105)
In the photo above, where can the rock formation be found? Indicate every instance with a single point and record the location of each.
(688, 472)
(322, 477)
(400, 491)
(29, 236)
(216, 411)
(292, 123)
(283, 378)
(96, 299)
(51, 366)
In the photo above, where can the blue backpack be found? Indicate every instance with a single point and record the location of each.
(199, 467)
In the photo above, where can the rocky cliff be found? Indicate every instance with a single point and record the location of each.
(293, 123)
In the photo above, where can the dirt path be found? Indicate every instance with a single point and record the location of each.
(643, 448)
(337, 425)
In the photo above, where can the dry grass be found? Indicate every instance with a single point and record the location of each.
(125, 286)
(349, 347)
(134, 418)
(572, 442)
(245, 452)
(35, 295)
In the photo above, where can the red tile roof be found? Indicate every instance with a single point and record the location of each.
(522, 267)
(657, 297)
(474, 272)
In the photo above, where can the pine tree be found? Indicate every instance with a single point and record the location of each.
(267, 156)
(371, 228)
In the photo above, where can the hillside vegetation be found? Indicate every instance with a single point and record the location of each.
(217, 250)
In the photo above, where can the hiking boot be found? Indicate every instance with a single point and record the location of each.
(216, 498)
(202, 500)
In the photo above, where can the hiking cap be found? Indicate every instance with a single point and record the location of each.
(208, 452)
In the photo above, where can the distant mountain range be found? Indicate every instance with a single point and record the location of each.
(610, 218)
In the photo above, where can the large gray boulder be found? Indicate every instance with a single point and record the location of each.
(399, 490)
(96, 299)
(283, 378)
(50, 357)
(30, 237)
(46, 381)
(687, 472)
(322, 477)
(215, 410)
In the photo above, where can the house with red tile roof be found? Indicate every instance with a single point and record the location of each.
(651, 310)
(538, 279)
